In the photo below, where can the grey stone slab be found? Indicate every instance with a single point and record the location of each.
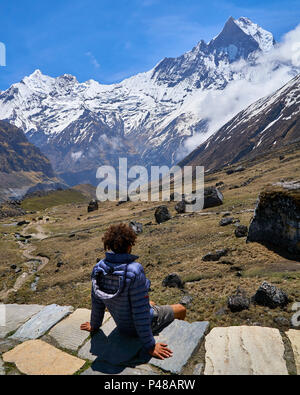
(40, 323)
(183, 339)
(67, 333)
(102, 368)
(16, 315)
(112, 347)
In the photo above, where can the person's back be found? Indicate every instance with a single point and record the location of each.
(119, 285)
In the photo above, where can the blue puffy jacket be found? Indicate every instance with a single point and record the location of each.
(120, 285)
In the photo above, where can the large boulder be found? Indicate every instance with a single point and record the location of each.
(173, 281)
(162, 214)
(93, 206)
(212, 197)
(270, 296)
(276, 219)
(181, 207)
(239, 301)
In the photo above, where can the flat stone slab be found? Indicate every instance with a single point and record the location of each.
(183, 339)
(244, 350)
(110, 346)
(294, 336)
(15, 315)
(40, 323)
(35, 357)
(103, 369)
(67, 333)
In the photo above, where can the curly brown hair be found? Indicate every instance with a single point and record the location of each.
(119, 238)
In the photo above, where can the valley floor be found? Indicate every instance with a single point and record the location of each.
(70, 239)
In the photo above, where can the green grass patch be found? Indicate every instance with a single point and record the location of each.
(53, 199)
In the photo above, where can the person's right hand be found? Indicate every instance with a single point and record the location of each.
(161, 351)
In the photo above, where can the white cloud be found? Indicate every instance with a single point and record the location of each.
(271, 71)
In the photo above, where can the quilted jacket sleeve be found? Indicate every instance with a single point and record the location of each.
(97, 314)
(139, 299)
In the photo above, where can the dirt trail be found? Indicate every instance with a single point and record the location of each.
(27, 253)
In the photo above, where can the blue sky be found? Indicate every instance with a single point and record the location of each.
(109, 40)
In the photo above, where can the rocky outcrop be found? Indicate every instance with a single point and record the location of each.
(93, 206)
(276, 219)
(239, 301)
(212, 197)
(269, 295)
(162, 214)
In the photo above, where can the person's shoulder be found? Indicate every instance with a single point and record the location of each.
(135, 268)
(97, 268)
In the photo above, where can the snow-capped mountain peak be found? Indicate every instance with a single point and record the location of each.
(264, 38)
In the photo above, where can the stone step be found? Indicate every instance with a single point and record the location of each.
(183, 339)
(35, 357)
(244, 350)
(16, 315)
(294, 336)
(67, 333)
(41, 322)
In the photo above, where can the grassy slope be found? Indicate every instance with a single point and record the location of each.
(53, 199)
(183, 239)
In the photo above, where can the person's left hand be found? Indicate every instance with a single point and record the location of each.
(86, 327)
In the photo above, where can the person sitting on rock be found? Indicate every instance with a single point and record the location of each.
(120, 285)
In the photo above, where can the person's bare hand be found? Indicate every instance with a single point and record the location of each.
(86, 327)
(161, 351)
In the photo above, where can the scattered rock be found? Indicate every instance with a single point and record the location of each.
(13, 267)
(226, 214)
(236, 170)
(226, 221)
(212, 197)
(238, 302)
(22, 223)
(172, 281)
(136, 227)
(215, 256)
(270, 296)
(93, 206)
(162, 214)
(60, 264)
(282, 321)
(186, 300)
(241, 231)
(277, 218)
(18, 270)
(226, 262)
(180, 207)
(218, 184)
